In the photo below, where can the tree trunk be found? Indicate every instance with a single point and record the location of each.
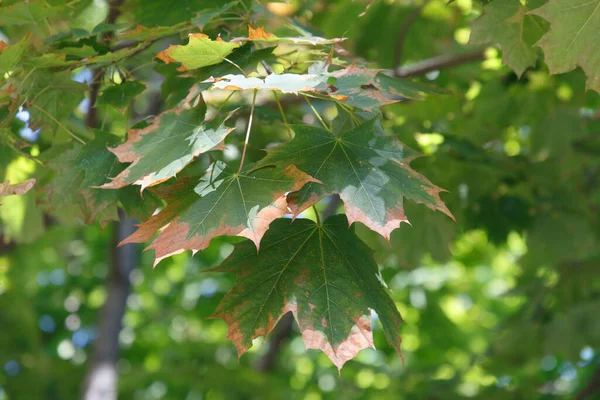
(101, 382)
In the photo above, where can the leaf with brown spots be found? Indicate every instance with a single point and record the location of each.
(224, 202)
(324, 274)
(370, 172)
(162, 149)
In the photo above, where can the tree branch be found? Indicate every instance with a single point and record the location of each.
(402, 32)
(439, 62)
(592, 387)
(113, 13)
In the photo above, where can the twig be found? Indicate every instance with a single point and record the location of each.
(439, 62)
(248, 131)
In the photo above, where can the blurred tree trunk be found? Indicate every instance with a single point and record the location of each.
(102, 379)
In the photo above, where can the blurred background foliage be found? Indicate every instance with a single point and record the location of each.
(502, 304)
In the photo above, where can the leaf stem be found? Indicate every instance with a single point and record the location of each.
(248, 131)
(287, 125)
(59, 124)
(235, 65)
(317, 114)
(225, 102)
(350, 111)
(314, 207)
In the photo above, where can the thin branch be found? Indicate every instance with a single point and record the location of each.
(248, 131)
(402, 32)
(439, 62)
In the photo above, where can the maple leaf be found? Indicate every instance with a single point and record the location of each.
(368, 88)
(573, 38)
(159, 151)
(224, 202)
(80, 170)
(200, 52)
(506, 23)
(8, 189)
(11, 55)
(371, 174)
(324, 274)
(51, 97)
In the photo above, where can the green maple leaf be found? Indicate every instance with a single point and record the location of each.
(224, 202)
(371, 174)
(506, 23)
(11, 55)
(200, 52)
(78, 172)
(573, 38)
(324, 274)
(51, 97)
(162, 149)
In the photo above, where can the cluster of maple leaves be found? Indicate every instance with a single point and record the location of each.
(321, 272)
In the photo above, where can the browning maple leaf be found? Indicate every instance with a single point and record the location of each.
(162, 149)
(371, 173)
(224, 202)
(324, 274)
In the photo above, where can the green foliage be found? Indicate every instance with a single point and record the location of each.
(227, 127)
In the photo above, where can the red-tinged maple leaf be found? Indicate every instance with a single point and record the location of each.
(224, 202)
(324, 274)
(162, 149)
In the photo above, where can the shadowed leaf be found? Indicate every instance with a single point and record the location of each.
(573, 38)
(506, 23)
(325, 275)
